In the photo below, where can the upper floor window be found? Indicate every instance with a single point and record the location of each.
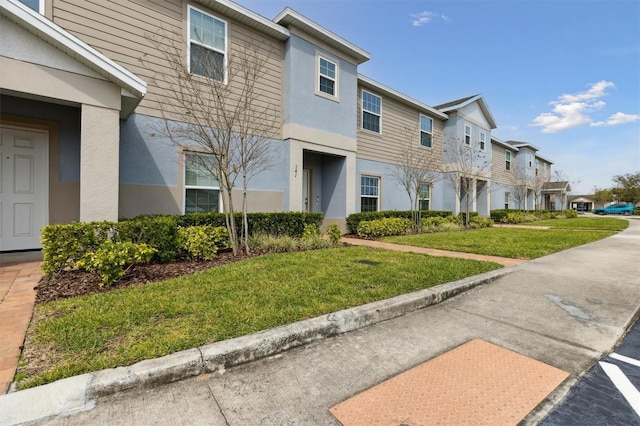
(207, 45)
(369, 193)
(371, 111)
(201, 189)
(424, 196)
(507, 158)
(327, 76)
(483, 141)
(426, 131)
(467, 135)
(37, 5)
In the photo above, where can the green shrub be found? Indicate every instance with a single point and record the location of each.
(64, 245)
(441, 224)
(354, 219)
(159, 232)
(513, 217)
(477, 222)
(112, 259)
(334, 232)
(314, 242)
(202, 242)
(311, 230)
(273, 244)
(529, 217)
(384, 227)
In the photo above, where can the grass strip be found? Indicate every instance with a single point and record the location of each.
(121, 327)
(517, 243)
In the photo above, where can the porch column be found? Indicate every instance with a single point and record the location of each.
(99, 163)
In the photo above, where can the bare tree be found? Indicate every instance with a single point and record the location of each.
(218, 109)
(465, 165)
(520, 188)
(416, 167)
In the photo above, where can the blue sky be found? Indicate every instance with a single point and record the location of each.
(561, 75)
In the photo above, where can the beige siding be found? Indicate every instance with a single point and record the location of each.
(499, 173)
(136, 34)
(400, 128)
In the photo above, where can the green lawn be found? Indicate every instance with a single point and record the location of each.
(602, 223)
(83, 334)
(516, 243)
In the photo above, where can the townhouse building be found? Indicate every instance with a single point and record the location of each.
(85, 86)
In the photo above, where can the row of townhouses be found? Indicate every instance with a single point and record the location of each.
(83, 92)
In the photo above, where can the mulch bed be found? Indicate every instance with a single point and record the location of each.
(77, 283)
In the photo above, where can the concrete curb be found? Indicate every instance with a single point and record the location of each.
(80, 393)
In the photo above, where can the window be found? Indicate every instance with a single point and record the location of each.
(207, 45)
(482, 141)
(369, 193)
(506, 200)
(202, 191)
(467, 135)
(426, 131)
(371, 108)
(507, 158)
(327, 74)
(37, 5)
(424, 196)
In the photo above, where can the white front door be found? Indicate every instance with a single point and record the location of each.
(24, 187)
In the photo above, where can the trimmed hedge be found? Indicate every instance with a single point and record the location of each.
(353, 220)
(384, 227)
(517, 216)
(63, 246)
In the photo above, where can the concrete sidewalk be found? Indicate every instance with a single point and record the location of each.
(566, 310)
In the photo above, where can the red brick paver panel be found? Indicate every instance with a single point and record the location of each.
(17, 297)
(478, 383)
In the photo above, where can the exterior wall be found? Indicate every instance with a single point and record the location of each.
(393, 196)
(399, 126)
(499, 172)
(312, 117)
(63, 124)
(522, 159)
(107, 26)
(152, 173)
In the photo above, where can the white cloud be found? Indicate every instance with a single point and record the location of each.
(573, 109)
(618, 118)
(419, 19)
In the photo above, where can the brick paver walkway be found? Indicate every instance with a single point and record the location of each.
(434, 252)
(17, 297)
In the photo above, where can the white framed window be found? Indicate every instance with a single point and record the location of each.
(371, 112)
(424, 196)
(207, 45)
(369, 193)
(201, 189)
(327, 77)
(37, 5)
(483, 142)
(426, 131)
(507, 160)
(467, 135)
(506, 200)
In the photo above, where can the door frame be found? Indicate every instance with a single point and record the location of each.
(45, 169)
(307, 206)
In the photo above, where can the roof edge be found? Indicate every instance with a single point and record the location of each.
(400, 96)
(290, 17)
(55, 35)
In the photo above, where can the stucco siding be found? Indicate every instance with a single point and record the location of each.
(400, 129)
(303, 108)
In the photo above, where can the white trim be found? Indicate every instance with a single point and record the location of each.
(378, 197)
(290, 17)
(65, 41)
(424, 131)
(401, 97)
(336, 63)
(230, 8)
(362, 111)
(206, 46)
